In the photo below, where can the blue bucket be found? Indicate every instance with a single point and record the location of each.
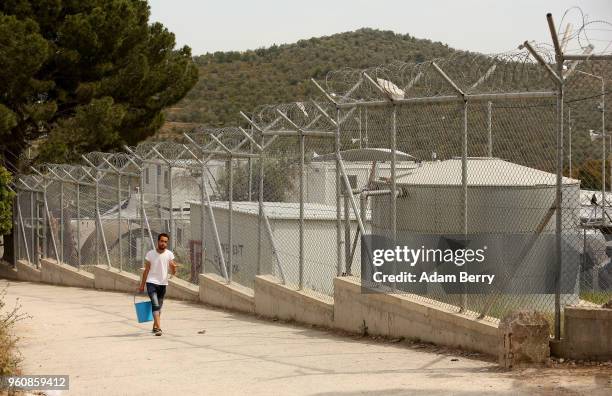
(144, 311)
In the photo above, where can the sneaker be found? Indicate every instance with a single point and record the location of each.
(158, 332)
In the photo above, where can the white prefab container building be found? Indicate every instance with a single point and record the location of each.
(185, 182)
(502, 197)
(319, 242)
(320, 178)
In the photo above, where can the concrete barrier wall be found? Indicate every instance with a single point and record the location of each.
(349, 310)
(400, 316)
(275, 300)
(215, 291)
(587, 334)
(7, 271)
(28, 272)
(64, 274)
(112, 279)
(182, 290)
(178, 288)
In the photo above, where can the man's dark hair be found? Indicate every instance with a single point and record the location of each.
(163, 234)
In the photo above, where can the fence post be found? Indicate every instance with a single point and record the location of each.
(78, 224)
(25, 239)
(98, 224)
(99, 218)
(559, 211)
(16, 230)
(45, 220)
(33, 236)
(47, 214)
(338, 199)
(260, 206)
(119, 221)
(61, 227)
(129, 222)
(490, 128)
(250, 166)
(230, 218)
(394, 185)
(142, 217)
(202, 226)
(301, 224)
(464, 187)
(171, 208)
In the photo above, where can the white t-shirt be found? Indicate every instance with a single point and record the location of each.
(158, 273)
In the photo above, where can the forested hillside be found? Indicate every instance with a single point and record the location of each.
(234, 81)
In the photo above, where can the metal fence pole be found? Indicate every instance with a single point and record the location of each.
(129, 222)
(394, 185)
(230, 218)
(98, 224)
(273, 245)
(61, 230)
(202, 219)
(347, 231)
(301, 223)
(171, 208)
(25, 238)
(32, 239)
(250, 166)
(603, 135)
(393, 174)
(78, 224)
(99, 218)
(260, 200)
(338, 198)
(45, 220)
(213, 223)
(142, 217)
(559, 214)
(48, 216)
(119, 221)
(16, 231)
(148, 228)
(603, 177)
(490, 128)
(569, 130)
(464, 186)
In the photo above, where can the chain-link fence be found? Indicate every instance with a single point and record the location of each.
(469, 145)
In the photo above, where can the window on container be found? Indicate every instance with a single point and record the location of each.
(147, 175)
(166, 180)
(158, 170)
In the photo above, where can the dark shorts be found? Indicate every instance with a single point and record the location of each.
(156, 294)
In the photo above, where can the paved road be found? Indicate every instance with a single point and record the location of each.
(93, 337)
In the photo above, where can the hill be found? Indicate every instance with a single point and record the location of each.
(234, 81)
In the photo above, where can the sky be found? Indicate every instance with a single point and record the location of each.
(475, 25)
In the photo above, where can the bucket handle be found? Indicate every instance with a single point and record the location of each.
(135, 295)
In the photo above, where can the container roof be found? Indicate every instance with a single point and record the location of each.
(282, 210)
(366, 155)
(481, 171)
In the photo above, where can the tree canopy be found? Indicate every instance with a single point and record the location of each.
(84, 75)
(6, 201)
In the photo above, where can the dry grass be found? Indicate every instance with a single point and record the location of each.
(9, 359)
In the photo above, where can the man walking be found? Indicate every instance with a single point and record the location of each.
(155, 276)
